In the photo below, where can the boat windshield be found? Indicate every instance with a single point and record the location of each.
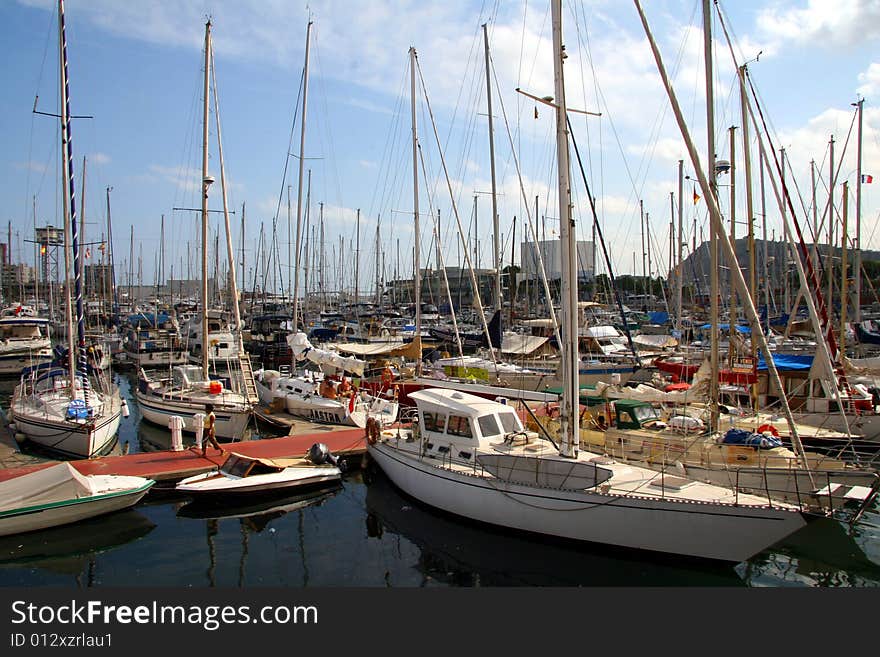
(645, 413)
(510, 422)
(236, 466)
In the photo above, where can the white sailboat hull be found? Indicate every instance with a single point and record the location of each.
(213, 484)
(13, 362)
(74, 438)
(707, 530)
(231, 421)
(64, 513)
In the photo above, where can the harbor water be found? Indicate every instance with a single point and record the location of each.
(367, 533)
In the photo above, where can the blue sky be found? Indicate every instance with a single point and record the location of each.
(137, 68)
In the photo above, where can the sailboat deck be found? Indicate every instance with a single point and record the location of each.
(628, 480)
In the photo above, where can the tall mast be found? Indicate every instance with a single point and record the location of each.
(307, 222)
(357, 264)
(378, 250)
(750, 211)
(229, 250)
(713, 233)
(496, 237)
(321, 258)
(82, 216)
(70, 222)
(417, 275)
(735, 263)
(765, 259)
(680, 276)
(843, 279)
(302, 146)
(747, 172)
(110, 258)
(243, 279)
(715, 217)
(571, 388)
(206, 182)
(832, 181)
(857, 264)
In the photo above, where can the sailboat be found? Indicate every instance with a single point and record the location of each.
(188, 389)
(75, 410)
(473, 458)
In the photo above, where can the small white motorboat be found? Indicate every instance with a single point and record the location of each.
(59, 495)
(246, 475)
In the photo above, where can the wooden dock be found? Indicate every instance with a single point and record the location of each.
(169, 465)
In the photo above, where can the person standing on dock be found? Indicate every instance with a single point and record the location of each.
(210, 430)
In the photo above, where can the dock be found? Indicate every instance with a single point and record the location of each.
(170, 465)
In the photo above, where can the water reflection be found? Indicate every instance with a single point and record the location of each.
(461, 553)
(458, 552)
(73, 549)
(254, 517)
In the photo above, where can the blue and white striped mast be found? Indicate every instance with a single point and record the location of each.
(77, 361)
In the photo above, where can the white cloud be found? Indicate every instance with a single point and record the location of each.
(870, 80)
(31, 166)
(99, 158)
(841, 23)
(183, 178)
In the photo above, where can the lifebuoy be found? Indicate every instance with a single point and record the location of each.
(765, 428)
(372, 430)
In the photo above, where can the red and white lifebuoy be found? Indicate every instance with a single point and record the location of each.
(768, 428)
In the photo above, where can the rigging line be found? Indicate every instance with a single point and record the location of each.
(324, 134)
(457, 218)
(440, 264)
(27, 200)
(823, 311)
(590, 61)
(387, 150)
(825, 211)
(289, 146)
(604, 249)
(526, 208)
(655, 128)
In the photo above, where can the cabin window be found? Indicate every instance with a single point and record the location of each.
(443, 449)
(646, 413)
(459, 426)
(237, 467)
(488, 425)
(465, 455)
(510, 422)
(434, 421)
(624, 417)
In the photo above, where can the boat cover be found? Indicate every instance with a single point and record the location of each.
(517, 343)
(278, 463)
(303, 349)
(745, 437)
(655, 341)
(411, 349)
(57, 483)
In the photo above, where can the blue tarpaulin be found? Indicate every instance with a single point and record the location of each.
(745, 437)
(788, 362)
(726, 327)
(658, 317)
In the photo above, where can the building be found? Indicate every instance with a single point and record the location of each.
(550, 253)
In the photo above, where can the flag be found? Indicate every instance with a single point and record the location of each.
(351, 403)
(536, 111)
(866, 178)
(102, 247)
(88, 253)
(696, 196)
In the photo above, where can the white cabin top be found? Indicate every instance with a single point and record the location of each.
(464, 419)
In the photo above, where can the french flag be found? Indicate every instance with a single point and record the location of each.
(867, 178)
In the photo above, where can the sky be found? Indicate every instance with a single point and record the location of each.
(136, 70)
